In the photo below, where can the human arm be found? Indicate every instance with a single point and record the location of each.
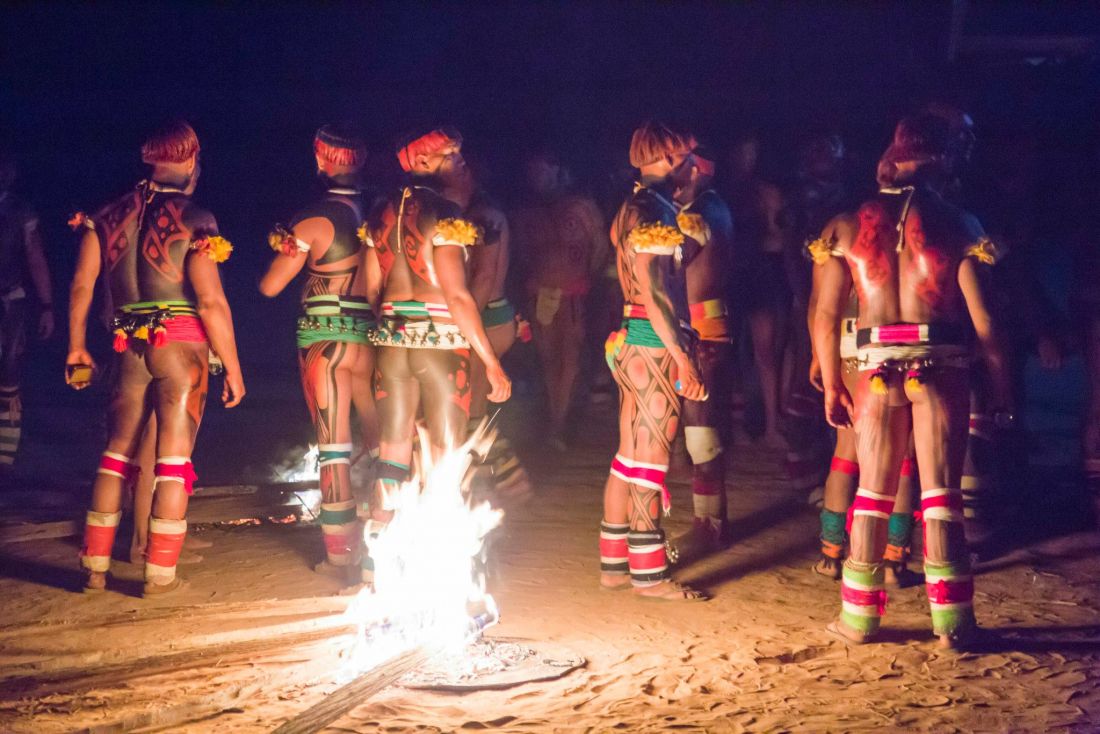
(811, 308)
(834, 284)
(293, 252)
(450, 270)
(217, 319)
(485, 258)
(40, 276)
(653, 272)
(974, 282)
(373, 270)
(80, 302)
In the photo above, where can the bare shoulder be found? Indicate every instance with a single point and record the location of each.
(199, 220)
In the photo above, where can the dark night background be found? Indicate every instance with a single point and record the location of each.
(82, 83)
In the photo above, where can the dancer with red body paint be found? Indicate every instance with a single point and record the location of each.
(919, 268)
(159, 255)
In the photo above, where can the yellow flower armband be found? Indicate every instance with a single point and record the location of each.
(655, 239)
(364, 235)
(694, 226)
(820, 250)
(457, 232)
(283, 241)
(80, 219)
(214, 247)
(984, 251)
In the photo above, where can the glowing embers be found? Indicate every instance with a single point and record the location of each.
(429, 583)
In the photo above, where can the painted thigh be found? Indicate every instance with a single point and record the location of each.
(362, 394)
(941, 417)
(650, 419)
(127, 413)
(882, 428)
(444, 377)
(180, 383)
(397, 397)
(326, 371)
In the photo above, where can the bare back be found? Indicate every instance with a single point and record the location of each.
(401, 235)
(916, 281)
(334, 264)
(145, 239)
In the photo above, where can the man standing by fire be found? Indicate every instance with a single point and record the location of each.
(429, 320)
(334, 351)
(159, 255)
(706, 219)
(919, 267)
(651, 359)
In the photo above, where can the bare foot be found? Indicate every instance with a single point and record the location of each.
(346, 575)
(963, 640)
(898, 574)
(669, 591)
(94, 582)
(846, 634)
(192, 542)
(614, 581)
(188, 559)
(152, 588)
(828, 567)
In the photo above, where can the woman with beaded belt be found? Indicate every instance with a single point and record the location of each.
(428, 321)
(159, 255)
(650, 358)
(334, 351)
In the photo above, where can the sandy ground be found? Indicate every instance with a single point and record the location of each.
(753, 659)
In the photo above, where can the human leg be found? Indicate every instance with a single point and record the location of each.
(13, 340)
(180, 384)
(327, 377)
(126, 416)
(651, 417)
(882, 429)
(940, 422)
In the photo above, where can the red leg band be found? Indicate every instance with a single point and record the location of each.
(859, 597)
(907, 467)
(950, 592)
(844, 466)
(186, 472)
(164, 548)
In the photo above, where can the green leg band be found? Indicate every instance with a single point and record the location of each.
(900, 529)
(832, 527)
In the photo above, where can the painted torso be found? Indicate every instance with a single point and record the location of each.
(646, 206)
(559, 237)
(335, 268)
(919, 284)
(404, 248)
(145, 237)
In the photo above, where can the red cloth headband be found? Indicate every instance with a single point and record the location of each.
(433, 142)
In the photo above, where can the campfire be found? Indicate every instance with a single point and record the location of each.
(429, 580)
